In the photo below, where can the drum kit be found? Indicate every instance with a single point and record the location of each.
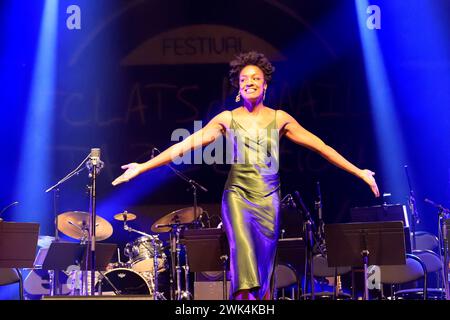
(147, 259)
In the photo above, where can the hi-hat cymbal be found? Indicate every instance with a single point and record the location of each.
(185, 215)
(125, 216)
(75, 224)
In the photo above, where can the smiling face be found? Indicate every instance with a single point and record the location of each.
(252, 83)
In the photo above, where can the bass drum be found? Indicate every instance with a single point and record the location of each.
(125, 282)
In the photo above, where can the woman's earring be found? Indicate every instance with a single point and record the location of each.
(238, 97)
(264, 94)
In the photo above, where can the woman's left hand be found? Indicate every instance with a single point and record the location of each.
(368, 178)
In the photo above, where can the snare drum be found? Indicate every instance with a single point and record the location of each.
(125, 282)
(141, 254)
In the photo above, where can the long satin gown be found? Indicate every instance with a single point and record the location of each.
(250, 207)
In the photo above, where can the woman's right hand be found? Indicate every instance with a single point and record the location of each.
(132, 170)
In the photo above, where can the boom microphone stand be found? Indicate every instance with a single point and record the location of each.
(55, 285)
(175, 255)
(412, 207)
(308, 225)
(194, 184)
(320, 230)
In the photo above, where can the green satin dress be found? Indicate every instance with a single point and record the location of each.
(250, 207)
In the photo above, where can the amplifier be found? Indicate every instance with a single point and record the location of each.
(210, 290)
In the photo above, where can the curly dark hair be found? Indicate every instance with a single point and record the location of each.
(250, 58)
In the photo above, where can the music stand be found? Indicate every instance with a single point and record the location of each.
(103, 255)
(385, 212)
(61, 255)
(208, 251)
(18, 243)
(291, 251)
(356, 244)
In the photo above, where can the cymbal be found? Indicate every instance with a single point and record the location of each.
(185, 215)
(121, 216)
(72, 224)
(45, 241)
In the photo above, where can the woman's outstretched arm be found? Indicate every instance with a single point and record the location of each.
(202, 137)
(295, 132)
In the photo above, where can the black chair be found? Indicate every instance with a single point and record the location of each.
(433, 264)
(322, 270)
(426, 241)
(413, 270)
(10, 276)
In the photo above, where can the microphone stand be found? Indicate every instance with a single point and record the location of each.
(94, 165)
(413, 209)
(194, 186)
(308, 225)
(55, 287)
(318, 207)
(443, 243)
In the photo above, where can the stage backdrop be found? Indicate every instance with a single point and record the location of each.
(128, 73)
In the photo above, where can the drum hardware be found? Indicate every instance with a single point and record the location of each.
(224, 259)
(197, 211)
(194, 185)
(84, 229)
(125, 216)
(173, 222)
(443, 214)
(312, 237)
(175, 250)
(186, 294)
